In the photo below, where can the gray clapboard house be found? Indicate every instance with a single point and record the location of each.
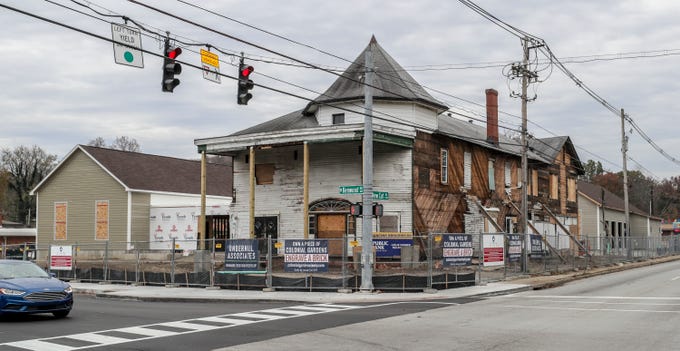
(96, 195)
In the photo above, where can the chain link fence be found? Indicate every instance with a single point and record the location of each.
(432, 261)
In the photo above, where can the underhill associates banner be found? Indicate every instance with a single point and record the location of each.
(241, 255)
(457, 249)
(306, 256)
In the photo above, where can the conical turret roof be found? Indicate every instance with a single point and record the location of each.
(391, 82)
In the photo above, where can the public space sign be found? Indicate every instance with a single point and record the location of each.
(305, 255)
(457, 249)
(390, 247)
(127, 45)
(536, 246)
(241, 255)
(493, 246)
(61, 257)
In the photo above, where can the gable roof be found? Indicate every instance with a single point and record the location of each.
(391, 80)
(550, 148)
(611, 201)
(144, 172)
(291, 121)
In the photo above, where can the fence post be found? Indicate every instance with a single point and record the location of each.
(137, 264)
(430, 260)
(106, 261)
(172, 263)
(269, 262)
(212, 263)
(344, 262)
(75, 260)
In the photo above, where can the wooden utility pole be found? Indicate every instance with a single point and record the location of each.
(525, 148)
(624, 149)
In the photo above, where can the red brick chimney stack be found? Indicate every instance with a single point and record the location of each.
(492, 116)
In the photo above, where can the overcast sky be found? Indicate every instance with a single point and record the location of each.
(60, 88)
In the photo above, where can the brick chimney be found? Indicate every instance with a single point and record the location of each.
(492, 116)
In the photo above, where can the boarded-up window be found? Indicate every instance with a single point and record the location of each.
(101, 231)
(571, 189)
(492, 175)
(444, 165)
(534, 182)
(508, 174)
(264, 173)
(60, 217)
(423, 177)
(389, 223)
(467, 170)
(554, 186)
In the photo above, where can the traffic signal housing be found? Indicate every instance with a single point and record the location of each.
(355, 209)
(170, 67)
(377, 210)
(244, 84)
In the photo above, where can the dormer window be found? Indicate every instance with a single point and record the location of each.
(338, 118)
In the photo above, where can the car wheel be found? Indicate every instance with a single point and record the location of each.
(61, 314)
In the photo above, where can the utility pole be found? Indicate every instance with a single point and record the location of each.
(624, 150)
(525, 147)
(367, 211)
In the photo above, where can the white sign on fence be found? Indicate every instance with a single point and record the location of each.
(61, 257)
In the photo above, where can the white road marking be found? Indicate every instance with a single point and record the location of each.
(672, 298)
(676, 278)
(151, 331)
(585, 309)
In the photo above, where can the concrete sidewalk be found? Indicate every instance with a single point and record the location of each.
(159, 293)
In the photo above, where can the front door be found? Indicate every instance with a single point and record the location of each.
(332, 227)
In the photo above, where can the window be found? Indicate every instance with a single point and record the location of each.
(423, 177)
(444, 165)
(571, 189)
(492, 174)
(101, 230)
(534, 182)
(338, 118)
(508, 174)
(467, 172)
(554, 187)
(389, 223)
(60, 216)
(264, 173)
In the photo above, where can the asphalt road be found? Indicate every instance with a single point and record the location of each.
(111, 324)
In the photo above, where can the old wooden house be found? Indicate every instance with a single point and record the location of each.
(434, 172)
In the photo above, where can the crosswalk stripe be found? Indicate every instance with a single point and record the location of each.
(234, 320)
(258, 315)
(193, 326)
(315, 308)
(97, 338)
(290, 312)
(38, 345)
(146, 331)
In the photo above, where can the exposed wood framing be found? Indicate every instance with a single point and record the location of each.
(552, 249)
(578, 243)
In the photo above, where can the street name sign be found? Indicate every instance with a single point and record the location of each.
(211, 66)
(359, 189)
(127, 45)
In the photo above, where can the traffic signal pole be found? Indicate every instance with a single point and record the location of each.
(367, 216)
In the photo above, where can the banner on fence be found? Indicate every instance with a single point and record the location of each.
(390, 247)
(536, 246)
(61, 257)
(457, 249)
(179, 223)
(305, 255)
(494, 249)
(241, 255)
(514, 247)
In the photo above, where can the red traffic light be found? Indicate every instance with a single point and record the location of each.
(355, 209)
(172, 54)
(246, 71)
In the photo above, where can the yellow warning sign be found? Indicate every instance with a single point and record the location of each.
(210, 58)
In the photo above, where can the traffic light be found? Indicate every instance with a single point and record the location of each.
(355, 209)
(244, 84)
(377, 210)
(170, 67)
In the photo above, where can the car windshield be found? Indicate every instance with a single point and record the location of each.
(21, 269)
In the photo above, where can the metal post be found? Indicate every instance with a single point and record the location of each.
(201, 224)
(269, 261)
(137, 254)
(106, 261)
(430, 260)
(75, 260)
(172, 263)
(367, 232)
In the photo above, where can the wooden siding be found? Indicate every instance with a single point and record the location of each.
(406, 112)
(80, 182)
(331, 165)
(141, 211)
(441, 207)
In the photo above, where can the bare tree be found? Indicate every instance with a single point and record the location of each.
(122, 143)
(26, 168)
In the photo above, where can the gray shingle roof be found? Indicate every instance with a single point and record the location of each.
(390, 79)
(160, 173)
(550, 148)
(291, 121)
(611, 200)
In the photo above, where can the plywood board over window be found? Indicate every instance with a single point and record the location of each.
(264, 173)
(60, 218)
(101, 220)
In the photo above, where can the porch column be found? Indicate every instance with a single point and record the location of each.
(251, 160)
(201, 221)
(305, 191)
